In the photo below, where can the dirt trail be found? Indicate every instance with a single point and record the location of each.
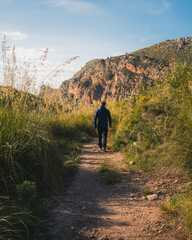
(92, 210)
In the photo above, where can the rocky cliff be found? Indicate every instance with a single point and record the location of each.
(119, 77)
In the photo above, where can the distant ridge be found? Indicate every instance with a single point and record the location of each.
(119, 77)
(179, 50)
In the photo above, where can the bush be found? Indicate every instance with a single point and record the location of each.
(156, 133)
(26, 192)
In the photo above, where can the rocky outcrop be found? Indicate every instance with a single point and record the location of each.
(119, 77)
(114, 78)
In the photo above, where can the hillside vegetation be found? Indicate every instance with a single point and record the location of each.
(178, 50)
(154, 129)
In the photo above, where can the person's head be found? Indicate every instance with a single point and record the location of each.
(103, 103)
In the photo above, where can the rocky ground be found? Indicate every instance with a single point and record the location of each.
(90, 209)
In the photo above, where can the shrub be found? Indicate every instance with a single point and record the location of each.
(26, 192)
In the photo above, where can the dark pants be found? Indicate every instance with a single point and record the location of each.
(102, 134)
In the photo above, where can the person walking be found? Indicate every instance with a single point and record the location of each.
(103, 116)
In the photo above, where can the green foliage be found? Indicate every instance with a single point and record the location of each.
(172, 206)
(104, 167)
(165, 117)
(41, 147)
(126, 72)
(168, 51)
(26, 192)
(146, 192)
(39, 142)
(109, 74)
(15, 223)
(179, 207)
(156, 134)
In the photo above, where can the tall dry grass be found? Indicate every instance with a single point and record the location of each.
(37, 137)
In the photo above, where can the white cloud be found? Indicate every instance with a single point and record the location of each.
(159, 9)
(75, 6)
(15, 35)
(28, 53)
(152, 7)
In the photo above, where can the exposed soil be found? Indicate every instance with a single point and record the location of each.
(90, 209)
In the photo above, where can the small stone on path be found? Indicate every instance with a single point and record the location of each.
(189, 184)
(132, 163)
(152, 197)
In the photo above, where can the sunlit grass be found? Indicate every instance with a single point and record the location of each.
(155, 132)
(39, 143)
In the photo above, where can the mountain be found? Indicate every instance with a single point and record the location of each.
(119, 77)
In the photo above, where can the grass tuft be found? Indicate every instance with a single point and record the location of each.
(108, 174)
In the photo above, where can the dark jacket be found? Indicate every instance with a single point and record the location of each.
(103, 116)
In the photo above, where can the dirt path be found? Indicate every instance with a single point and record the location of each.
(91, 209)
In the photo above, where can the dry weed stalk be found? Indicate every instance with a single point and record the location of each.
(24, 76)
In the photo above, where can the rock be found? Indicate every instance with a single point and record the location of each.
(144, 198)
(189, 184)
(152, 197)
(163, 226)
(181, 45)
(159, 193)
(101, 79)
(167, 197)
(132, 163)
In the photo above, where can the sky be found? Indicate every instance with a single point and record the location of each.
(89, 29)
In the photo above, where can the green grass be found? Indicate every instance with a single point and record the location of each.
(14, 222)
(40, 139)
(36, 146)
(109, 175)
(39, 144)
(154, 129)
(179, 208)
(146, 192)
(40, 148)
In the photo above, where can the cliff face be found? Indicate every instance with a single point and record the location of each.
(119, 77)
(115, 78)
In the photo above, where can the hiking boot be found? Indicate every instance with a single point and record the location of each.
(100, 149)
(104, 150)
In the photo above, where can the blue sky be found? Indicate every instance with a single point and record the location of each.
(90, 28)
